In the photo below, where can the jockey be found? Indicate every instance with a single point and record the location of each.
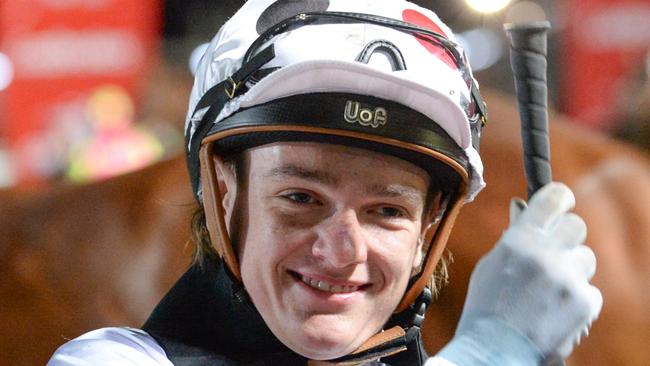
(331, 145)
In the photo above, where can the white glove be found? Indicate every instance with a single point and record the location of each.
(533, 283)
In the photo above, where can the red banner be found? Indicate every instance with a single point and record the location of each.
(604, 47)
(62, 50)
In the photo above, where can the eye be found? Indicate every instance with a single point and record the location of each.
(388, 211)
(299, 197)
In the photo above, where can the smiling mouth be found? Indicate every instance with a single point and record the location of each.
(325, 286)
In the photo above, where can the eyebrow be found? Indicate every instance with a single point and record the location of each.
(302, 172)
(397, 190)
(391, 191)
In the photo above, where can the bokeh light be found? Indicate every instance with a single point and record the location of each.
(488, 6)
(483, 46)
(6, 71)
(525, 11)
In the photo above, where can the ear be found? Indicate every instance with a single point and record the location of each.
(433, 214)
(227, 184)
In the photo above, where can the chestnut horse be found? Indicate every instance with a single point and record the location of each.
(74, 258)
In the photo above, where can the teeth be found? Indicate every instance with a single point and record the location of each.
(324, 286)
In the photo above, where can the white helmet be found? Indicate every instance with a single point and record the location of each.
(385, 75)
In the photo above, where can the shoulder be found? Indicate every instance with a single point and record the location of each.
(111, 346)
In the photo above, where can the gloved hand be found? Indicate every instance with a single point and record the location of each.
(529, 299)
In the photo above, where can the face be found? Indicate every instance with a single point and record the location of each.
(329, 239)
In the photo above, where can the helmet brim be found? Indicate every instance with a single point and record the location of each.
(323, 117)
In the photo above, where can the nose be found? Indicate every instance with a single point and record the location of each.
(341, 241)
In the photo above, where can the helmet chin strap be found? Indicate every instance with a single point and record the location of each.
(412, 305)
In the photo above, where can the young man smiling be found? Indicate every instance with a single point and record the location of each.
(328, 221)
(331, 144)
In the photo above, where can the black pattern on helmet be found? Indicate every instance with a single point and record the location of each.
(283, 9)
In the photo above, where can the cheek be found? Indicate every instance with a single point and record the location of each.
(258, 248)
(395, 255)
(259, 265)
(270, 240)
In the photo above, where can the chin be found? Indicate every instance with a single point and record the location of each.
(325, 345)
(323, 352)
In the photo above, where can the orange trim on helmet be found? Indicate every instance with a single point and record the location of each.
(214, 212)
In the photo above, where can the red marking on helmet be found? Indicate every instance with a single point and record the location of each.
(417, 18)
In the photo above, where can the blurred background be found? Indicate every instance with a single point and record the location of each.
(95, 88)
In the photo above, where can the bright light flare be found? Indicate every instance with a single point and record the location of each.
(483, 47)
(6, 71)
(488, 6)
(525, 11)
